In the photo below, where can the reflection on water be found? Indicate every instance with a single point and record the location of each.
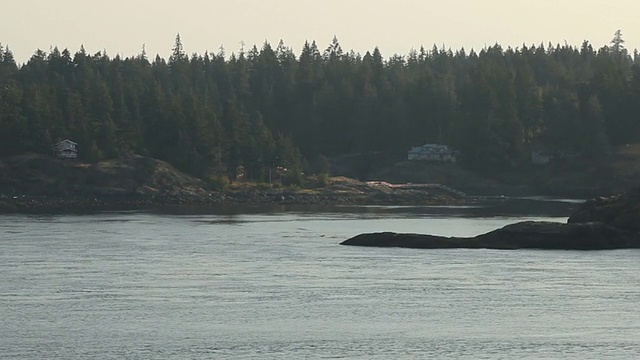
(548, 199)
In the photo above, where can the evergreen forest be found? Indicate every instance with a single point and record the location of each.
(267, 107)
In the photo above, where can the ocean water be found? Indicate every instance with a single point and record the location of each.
(276, 285)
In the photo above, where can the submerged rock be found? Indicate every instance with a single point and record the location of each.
(523, 235)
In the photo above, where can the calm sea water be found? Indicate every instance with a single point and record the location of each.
(267, 285)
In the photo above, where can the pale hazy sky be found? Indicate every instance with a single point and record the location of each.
(123, 26)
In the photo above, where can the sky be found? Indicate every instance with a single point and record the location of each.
(395, 26)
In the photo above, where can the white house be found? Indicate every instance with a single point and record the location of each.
(433, 152)
(66, 149)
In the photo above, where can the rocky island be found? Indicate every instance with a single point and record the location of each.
(600, 224)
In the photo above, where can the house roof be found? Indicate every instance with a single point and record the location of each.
(66, 141)
(431, 148)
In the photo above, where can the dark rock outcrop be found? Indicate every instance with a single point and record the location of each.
(600, 224)
(621, 211)
(524, 235)
(550, 235)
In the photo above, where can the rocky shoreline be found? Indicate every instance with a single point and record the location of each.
(36, 183)
(51, 204)
(31, 204)
(599, 224)
(523, 235)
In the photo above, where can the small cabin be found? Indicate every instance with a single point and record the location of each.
(433, 152)
(66, 149)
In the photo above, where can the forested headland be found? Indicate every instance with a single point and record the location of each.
(213, 114)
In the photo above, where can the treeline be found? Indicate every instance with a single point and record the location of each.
(264, 108)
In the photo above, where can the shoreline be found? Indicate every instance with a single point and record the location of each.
(288, 200)
(37, 183)
(43, 204)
